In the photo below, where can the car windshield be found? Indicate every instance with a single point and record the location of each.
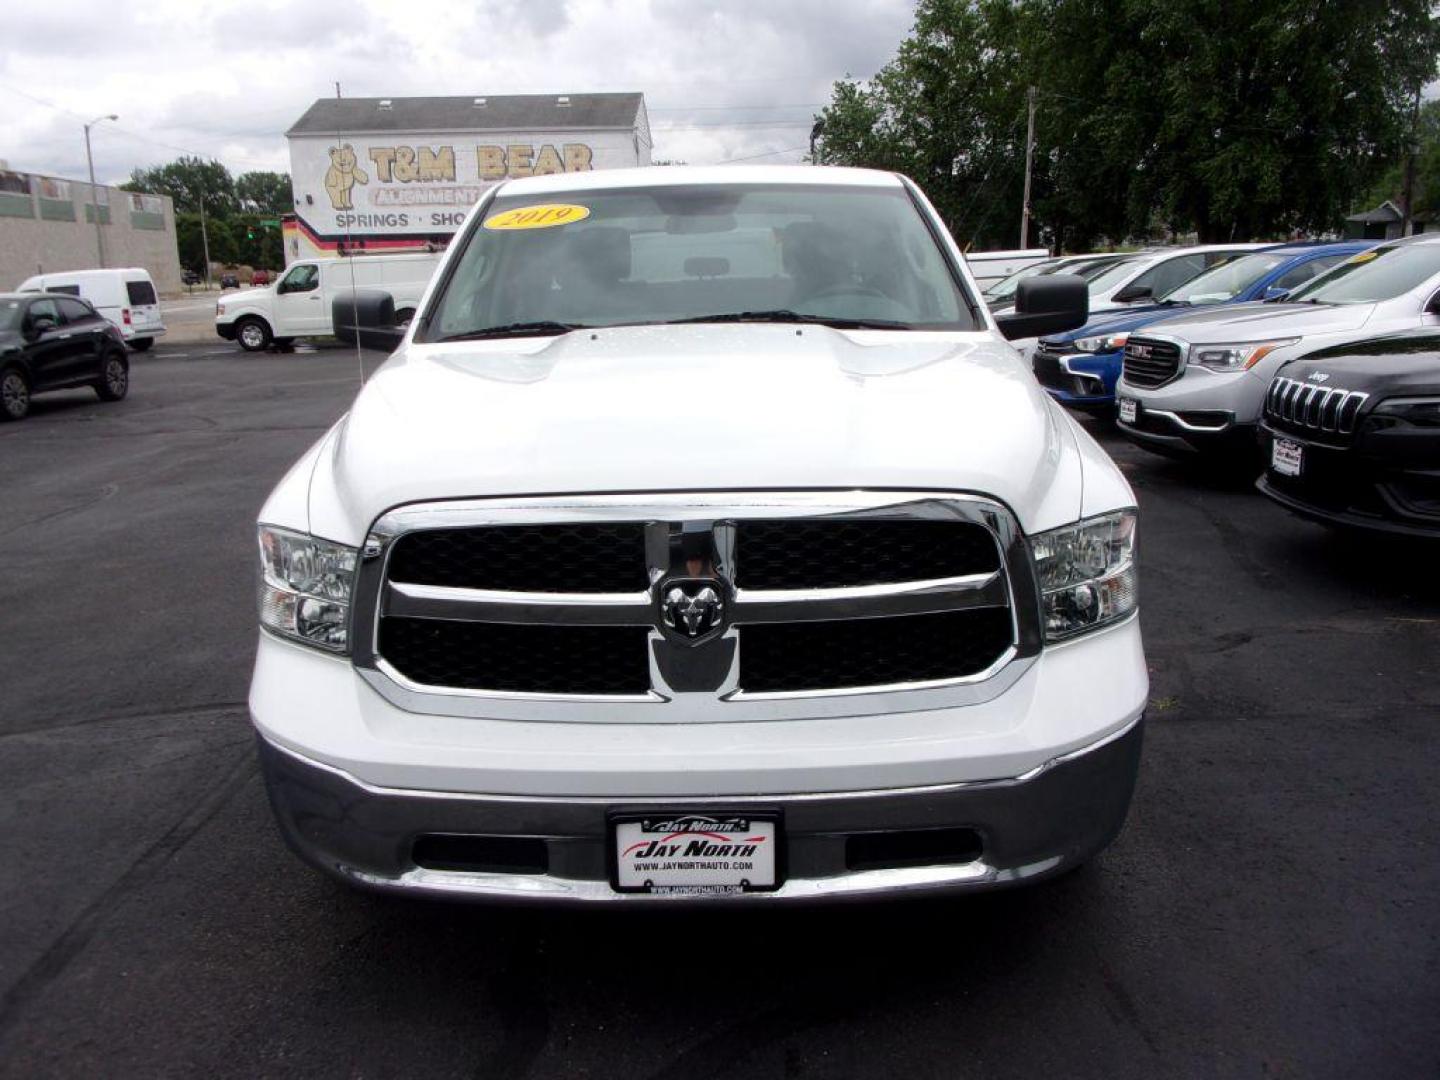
(850, 256)
(1371, 276)
(12, 314)
(1226, 281)
(1005, 288)
(1111, 276)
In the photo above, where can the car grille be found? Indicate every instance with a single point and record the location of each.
(790, 554)
(787, 657)
(1048, 372)
(915, 591)
(1151, 361)
(1313, 409)
(569, 558)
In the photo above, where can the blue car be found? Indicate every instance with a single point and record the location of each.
(1080, 368)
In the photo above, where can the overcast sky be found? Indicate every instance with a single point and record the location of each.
(225, 79)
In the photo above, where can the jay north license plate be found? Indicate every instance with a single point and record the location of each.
(695, 853)
(1287, 458)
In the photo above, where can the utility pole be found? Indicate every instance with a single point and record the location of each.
(94, 195)
(205, 239)
(1412, 147)
(1030, 96)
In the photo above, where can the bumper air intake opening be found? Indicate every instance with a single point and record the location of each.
(918, 847)
(481, 854)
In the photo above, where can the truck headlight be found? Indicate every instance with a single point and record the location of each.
(305, 587)
(1101, 343)
(1239, 357)
(219, 309)
(1086, 573)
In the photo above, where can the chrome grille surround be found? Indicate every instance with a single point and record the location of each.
(704, 674)
(1300, 404)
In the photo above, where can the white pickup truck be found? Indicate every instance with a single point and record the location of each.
(300, 302)
(703, 539)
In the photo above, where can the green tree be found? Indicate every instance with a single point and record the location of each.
(186, 180)
(1236, 121)
(265, 193)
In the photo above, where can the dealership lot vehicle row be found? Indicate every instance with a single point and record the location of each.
(1275, 853)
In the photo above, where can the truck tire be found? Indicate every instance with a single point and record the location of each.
(14, 394)
(252, 334)
(140, 344)
(114, 381)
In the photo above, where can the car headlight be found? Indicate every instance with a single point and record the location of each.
(1086, 573)
(1239, 357)
(219, 308)
(1101, 343)
(1415, 411)
(305, 587)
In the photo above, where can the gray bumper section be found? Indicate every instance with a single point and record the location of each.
(1030, 827)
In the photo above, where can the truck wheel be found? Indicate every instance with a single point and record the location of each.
(114, 381)
(253, 335)
(140, 344)
(404, 315)
(14, 394)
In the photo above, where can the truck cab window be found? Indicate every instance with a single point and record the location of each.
(301, 278)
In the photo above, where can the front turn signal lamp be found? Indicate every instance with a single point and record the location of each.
(1086, 573)
(305, 588)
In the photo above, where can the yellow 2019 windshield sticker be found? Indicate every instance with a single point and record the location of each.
(544, 216)
(1362, 257)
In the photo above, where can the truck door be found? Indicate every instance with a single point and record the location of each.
(299, 303)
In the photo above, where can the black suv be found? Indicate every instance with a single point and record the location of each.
(50, 341)
(1351, 434)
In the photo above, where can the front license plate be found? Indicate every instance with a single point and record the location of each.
(697, 854)
(1127, 409)
(1286, 457)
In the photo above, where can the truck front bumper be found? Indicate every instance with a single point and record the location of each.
(226, 330)
(1023, 829)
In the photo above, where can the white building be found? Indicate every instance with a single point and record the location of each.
(395, 173)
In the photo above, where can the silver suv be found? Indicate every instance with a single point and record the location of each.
(1197, 382)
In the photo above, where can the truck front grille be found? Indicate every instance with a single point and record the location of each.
(791, 657)
(651, 598)
(1314, 409)
(1151, 361)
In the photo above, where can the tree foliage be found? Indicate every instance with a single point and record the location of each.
(1235, 120)
(240, 212)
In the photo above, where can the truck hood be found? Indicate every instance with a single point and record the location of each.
(1257, 321)
(245, 296)
(685, 408)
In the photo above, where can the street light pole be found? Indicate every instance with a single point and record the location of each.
(94, 196)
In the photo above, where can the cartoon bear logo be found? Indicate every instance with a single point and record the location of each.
(342, 175)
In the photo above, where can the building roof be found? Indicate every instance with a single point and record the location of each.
(506, 112)
(1386, 212)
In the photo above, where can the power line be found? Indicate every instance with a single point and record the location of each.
(768, 153)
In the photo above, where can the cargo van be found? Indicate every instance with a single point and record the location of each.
(126, 297)
(298, 305)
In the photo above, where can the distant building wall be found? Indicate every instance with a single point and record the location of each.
(47, 225)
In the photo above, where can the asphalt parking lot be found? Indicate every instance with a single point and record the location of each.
(1270, 910)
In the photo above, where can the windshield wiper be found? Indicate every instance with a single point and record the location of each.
(519, 329)
(788, 316)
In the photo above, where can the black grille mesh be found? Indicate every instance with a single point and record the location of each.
(577, 558)
(500, 656)
(1149, 362)
(871, 652)
(819, 554)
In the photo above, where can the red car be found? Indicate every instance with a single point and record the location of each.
(260, 277)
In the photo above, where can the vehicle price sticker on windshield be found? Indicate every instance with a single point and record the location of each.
(545, 216)
(1127, 410)
(695, 853)
(1286, 457)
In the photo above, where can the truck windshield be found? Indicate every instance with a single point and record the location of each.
(1226, 281)
(845, 255)
(1379, 274)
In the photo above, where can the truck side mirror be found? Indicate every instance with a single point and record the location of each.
(1049, 304)
(366, 318)
(1131, 293)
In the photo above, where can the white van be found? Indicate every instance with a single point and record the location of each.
(124, 296)
(299, 304)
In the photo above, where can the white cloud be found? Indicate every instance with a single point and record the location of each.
(225, 79)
